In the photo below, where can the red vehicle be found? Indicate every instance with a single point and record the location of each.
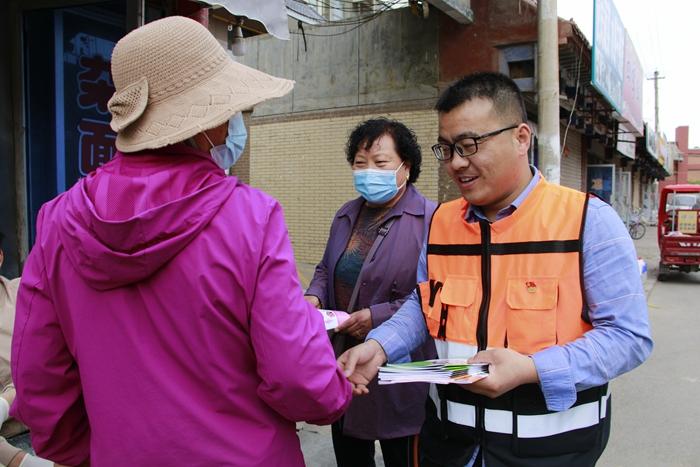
(679, 229)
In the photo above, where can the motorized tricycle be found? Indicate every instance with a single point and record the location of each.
(679, 229)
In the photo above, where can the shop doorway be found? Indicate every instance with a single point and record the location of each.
(67, 82)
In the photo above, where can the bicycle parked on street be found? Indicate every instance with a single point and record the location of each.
(636, 225)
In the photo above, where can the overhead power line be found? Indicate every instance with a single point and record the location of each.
(358, 22)
(351, 9)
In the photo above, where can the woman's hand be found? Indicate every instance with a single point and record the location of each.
(313, 299)
(358, 325)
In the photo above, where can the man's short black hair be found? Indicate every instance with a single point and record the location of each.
(498, 88)
(2, 237)
(366, 133)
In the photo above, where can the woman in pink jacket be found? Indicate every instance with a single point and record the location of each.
(160, 320)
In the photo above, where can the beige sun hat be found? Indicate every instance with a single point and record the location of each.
(174, 80)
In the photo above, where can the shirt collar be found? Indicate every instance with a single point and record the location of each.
(475, 213)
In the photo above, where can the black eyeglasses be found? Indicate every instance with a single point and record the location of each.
(465, 147)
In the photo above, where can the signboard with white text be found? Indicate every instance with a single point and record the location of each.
(616, 70)
(626, 140)
(632, 83)
(83, 85)
(608, 52)
(651, 141)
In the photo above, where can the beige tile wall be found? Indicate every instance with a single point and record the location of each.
(302, 164)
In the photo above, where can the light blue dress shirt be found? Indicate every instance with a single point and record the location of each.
(620, 339)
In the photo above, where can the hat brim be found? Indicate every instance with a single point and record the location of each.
(210, 103)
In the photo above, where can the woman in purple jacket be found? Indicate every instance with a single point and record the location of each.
(369, 266)
(160, 319)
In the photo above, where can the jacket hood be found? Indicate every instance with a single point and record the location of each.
(123, 222)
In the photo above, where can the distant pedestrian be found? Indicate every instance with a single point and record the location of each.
(160, 319)
(368, 269)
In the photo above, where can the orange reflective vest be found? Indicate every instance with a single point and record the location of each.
(514, 283)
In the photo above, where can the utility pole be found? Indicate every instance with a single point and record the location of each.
(548, 90)
(656, 79)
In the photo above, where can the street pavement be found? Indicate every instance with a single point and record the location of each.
(655, 410)
(316, 440)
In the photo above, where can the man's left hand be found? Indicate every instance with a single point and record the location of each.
(358, 325)
(508, 369)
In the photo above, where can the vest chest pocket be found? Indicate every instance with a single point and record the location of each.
(531, 315)
(458, 296)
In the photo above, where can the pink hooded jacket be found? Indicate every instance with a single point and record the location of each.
(160, 321)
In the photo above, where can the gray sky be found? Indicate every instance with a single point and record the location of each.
(666, 37)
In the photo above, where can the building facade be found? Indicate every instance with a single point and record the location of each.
(54, 86)
(687, 165)
(395, 66)
(391, 63)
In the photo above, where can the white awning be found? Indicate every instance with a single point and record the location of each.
(271, 13)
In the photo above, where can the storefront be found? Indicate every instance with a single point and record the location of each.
(67, 87)
(54, 119)
(55, 83)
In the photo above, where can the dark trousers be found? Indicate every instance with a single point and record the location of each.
(354, 452)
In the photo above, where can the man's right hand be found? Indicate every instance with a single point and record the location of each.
(361, 364)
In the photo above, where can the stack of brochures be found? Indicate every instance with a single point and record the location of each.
(442, 371)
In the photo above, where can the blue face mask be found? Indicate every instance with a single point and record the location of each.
(226, 155)
(377, 186)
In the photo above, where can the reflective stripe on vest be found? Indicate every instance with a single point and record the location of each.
(501, 421)
(515, 283)
(529, 426)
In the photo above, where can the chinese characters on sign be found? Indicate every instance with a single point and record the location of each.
(96, 137)
(95, 84)
(96, 144)
(688, 222)
(84, 140)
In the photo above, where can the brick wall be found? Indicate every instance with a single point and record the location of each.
(694, 176)
(301, 162)
(447, 190)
